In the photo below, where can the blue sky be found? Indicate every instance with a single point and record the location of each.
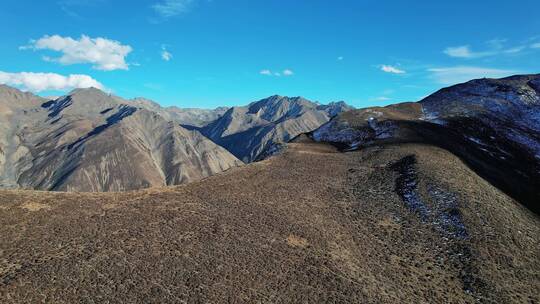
(208, 53)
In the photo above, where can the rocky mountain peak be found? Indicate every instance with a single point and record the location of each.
(277, 107)
(336, 107)
(88, 92)
(82, 103)
(249, 131)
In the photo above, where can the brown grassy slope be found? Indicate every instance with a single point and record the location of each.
(311, 225)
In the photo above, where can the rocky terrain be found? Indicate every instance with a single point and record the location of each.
(247, 132)
(493, 125)
(91, 141)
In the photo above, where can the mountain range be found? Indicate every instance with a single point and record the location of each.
(249, 131)
(89, 140)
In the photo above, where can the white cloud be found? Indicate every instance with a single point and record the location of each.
(165, 55)
(515, 50)
(170, 8)
(495, 47)
(536, 45)
(382, 98)
(464, 51)
(458, 74)
(392, 69)
(288, 72)
(104, 54)
(37, 82)
(340, 58)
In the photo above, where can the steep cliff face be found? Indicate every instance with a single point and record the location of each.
(91, 141)
(249, 131)
(492, 124)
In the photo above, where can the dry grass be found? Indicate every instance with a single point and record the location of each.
(297, 228)
(297, 241)
(33, 206)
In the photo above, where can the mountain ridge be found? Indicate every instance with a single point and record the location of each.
(82, 141)
(492, 124)
(266, 122)
(89, 140)
(508, 107)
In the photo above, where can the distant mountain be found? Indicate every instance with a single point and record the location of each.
(249, 131)
(189, 117)
(92, 141)
(492, 124)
